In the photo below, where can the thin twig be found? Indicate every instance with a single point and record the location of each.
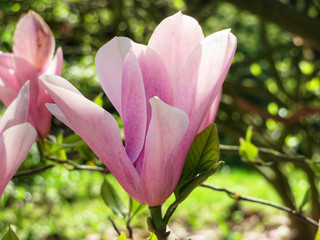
(114, 225)
(239, 197)
(130, 230)
(77, 166)
(32, 171)
(278, 156)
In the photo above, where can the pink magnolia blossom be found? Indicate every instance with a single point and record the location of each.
(32, 56)
(162, 91)
(16, 137)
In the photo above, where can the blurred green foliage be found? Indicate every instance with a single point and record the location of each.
(273, 86)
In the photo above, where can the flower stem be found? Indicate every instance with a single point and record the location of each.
(157, 225)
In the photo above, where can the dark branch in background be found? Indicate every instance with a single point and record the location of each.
(294, 119)
(270, 57)
(32, 171)
(289, 18)
(239, 197)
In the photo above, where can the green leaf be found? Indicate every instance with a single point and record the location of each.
(10, 235)
(122, 236)
(98, 100)
(248, 150)
(137, 208)
(59, 144)
(86, 152)
(305, 200)
(182, 193)
(62, 152)
(73, 140)
(152, 237)
(318, 233)
(202, 156)
(249, 134)
(112, 199)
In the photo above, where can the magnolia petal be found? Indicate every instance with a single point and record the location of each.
(7, 95)
(211, 115)
(97, 128)
(34, 41)
(17, 112)
(40, 116)
(155, 78)
(59, 82)
(167, 127)
(6, 60)
(174, 39)
(156, 83)
(15, 144)
(203, 74)
(43, 118)
(7, 71)
(24, 71)
(134, 115)
(55, 110)
(55, 66)
(109, 61)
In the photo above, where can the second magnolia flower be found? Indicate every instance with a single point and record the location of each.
(163, 92)
(33, 55)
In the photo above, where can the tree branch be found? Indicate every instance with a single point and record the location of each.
(239, 197)
(114, 225)
(302, 112)
(77, 166)
(278, 156)
(32, 171)
(285, 16)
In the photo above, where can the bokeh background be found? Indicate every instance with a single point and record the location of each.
(273, 86)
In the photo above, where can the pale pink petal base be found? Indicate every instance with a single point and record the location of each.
(15, 144)
(7, 95)
(17, 112)
(88, 119)
(54, 110)
(167, 127)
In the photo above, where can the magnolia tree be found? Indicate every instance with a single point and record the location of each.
(167, 94)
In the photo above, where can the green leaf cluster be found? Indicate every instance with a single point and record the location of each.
(10, 235)
(201, 163)
(202, 157)
(112, 199)
(247, 149)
